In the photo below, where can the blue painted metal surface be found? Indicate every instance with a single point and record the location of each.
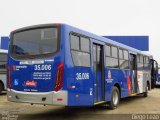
(138, 42)
(82, 94)
(4, 42)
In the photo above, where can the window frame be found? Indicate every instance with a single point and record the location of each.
(106, 44)
(78, 41)
(122, 54)
(124, 58)
(146, 62)
(139, 61)
(80, 45)
(106, 52)
(89, 53)
(112, 52)
(58, 27)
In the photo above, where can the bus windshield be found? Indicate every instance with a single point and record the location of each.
(34, 42)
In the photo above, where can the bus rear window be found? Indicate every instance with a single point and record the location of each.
(34, 42)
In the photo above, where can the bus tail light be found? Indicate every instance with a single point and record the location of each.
(9, 77)
(59, 77)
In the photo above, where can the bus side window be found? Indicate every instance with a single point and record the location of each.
(123, 59)
(75, 42)
(111, 57)
(120, 54)
(114, 52)
(146, 62)
(80, 50)
(108, 50)
(85, 46)
(140, 62)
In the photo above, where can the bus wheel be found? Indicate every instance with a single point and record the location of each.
(146, 92)
(1, 88)
(115, 98)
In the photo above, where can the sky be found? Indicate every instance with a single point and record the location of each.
(101, 17)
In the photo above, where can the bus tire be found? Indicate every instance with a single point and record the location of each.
(146, 92)
(1, 87)
(115, 98)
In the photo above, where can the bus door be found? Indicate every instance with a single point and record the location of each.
(98, 54)
(154, 73)
(133, 68)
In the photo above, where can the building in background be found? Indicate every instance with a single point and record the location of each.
(138, 42)
(4, 42)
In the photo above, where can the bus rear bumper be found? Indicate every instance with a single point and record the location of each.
(46, 98)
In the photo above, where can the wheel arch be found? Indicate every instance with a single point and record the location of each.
(1, 82)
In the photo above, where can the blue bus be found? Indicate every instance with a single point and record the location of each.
(57, 64)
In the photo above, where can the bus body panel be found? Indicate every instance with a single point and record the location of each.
(36, 77)
(79, 86)
(80, 94)
(115, 76)
(140, 81)
(49, 98)
(80, 89)
(78, 82)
